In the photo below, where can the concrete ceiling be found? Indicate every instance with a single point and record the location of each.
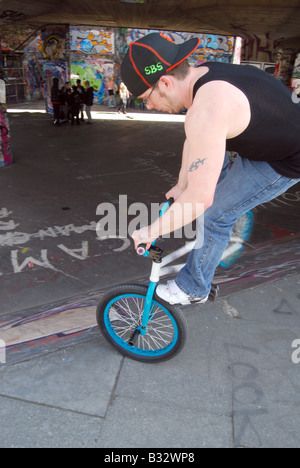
(278, 19)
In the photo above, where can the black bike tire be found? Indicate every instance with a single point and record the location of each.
(176, 313)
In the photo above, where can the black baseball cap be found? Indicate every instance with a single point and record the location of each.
(150, 57)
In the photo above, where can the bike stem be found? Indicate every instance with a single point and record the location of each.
(155, 253)
(154, 279)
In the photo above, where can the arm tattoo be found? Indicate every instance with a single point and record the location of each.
(195, 164)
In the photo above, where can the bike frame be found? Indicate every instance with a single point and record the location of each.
(159, 268)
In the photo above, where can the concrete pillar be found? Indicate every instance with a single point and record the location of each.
(5, 151)
(285, 62)
(296, 79)
(259, 48)
(266, 50)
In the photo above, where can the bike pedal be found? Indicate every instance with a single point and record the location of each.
(214, 292)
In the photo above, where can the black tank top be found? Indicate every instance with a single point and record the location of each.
(273, 134)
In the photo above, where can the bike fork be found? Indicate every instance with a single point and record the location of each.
(142, 329)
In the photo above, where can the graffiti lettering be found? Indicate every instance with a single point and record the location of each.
(284, 199)
(81, 254)
(22, 263)
(165, 175)
(247, 396)
(29, 262)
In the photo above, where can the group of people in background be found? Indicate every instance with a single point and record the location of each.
(69, 102)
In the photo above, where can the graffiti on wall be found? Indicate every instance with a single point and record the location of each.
(264, 49)
(214, 48)
(54, 42)
(285, 59)
(96, 54)
(33, 69)
(260, 49)
(52, 47)
(86, 71)
(88, 47)
(296, 78)
(92, 42)
(53, 70)
(296, 73)
(33, 72)
(211, 48)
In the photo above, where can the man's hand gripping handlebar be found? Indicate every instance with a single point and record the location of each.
(153, 251)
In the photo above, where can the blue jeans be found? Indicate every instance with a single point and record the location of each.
(246, 185)
(88, 113)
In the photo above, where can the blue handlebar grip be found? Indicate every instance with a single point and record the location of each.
(166, 205)
(141, 249)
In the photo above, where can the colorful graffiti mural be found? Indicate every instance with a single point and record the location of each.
(52, 47)
(215, 48)
(211, 48)
(92, 42)
(33, 72)
(89, 71)
(284, 66)
(54, 43)
(296, 78)
(92, 58)
(53, 70)
(36, 53)
(296, 72)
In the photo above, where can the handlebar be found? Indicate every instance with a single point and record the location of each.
(141, 248)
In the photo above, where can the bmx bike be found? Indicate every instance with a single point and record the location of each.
(140, 325)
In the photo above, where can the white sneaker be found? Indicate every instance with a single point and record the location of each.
(172, 294)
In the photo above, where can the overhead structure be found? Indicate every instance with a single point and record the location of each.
(278, 19)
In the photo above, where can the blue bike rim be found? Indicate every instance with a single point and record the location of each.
(134, 349)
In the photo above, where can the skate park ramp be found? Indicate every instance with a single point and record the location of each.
(54, 268)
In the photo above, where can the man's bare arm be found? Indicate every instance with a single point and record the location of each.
(207, 126)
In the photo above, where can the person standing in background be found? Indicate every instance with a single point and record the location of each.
(81, 92)
(111, 92)
(75, 105)
(124, 95)
(55, 100)
(89, 100)
(65, 94)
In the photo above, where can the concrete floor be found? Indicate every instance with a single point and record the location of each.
(233, 385)
(49, 198)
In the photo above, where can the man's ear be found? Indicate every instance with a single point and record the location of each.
(166, 82)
